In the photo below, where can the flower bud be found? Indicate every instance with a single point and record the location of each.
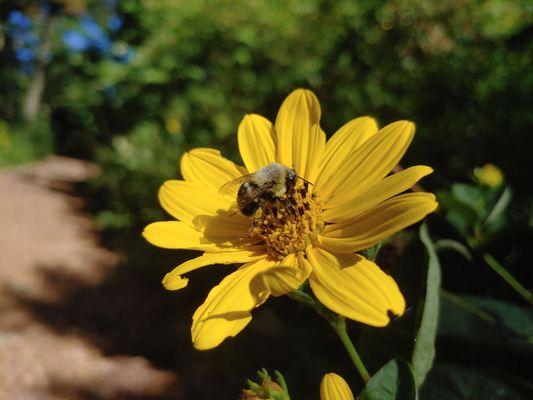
(489, 175)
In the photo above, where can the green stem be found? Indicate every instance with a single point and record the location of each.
(338, 323)
(302, 297)
(340, 327)
(507, 277)
(466, 305)
(502, 272)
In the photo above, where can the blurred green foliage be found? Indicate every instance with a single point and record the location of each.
(478, 211)
(21, 143)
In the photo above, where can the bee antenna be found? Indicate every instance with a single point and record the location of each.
(298, 176)
(305, 180)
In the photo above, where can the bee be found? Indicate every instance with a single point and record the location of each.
(266, 185)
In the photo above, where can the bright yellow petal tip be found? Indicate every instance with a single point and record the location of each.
(296, 133)
(256, 142)
(334, 387)
(173, 282)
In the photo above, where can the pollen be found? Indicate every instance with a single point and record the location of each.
(289, 223)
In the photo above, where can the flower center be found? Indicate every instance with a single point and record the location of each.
(288, 223)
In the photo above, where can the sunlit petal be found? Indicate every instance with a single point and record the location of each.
(354, 287)
(174, 281)
(179, 235)
(370, 163)
(187, 201)
(341, 146)
(256, 142)
(312, 154)
(383, 190)
(378, 223)
(300, 141)
(227, 309)
(206, 167)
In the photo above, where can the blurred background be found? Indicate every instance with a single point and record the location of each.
(99, 99)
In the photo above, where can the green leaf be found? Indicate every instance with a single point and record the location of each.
(394, 381)
(460, 222)
(498, 211)
(464, 306)
(470, 195)
(487, 322)
(460, 215)
(372, 252)
(424, 348)
(456, 382)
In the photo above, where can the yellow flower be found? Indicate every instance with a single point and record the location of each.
(489, 175)
(351, 205)
(173, 125)
(334, 387)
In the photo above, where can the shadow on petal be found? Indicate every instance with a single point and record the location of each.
(222, 229)
(229, 316)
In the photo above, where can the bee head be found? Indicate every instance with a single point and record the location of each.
(290, 180)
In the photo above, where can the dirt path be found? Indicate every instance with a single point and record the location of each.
(46, 236)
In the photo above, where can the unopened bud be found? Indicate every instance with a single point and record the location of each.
(248, 394)
(271, 387)
(267, 390)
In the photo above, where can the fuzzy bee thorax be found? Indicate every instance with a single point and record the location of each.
(274, 175)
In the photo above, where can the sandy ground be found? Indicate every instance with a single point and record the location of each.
(47, 241)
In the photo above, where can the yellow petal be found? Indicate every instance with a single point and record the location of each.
(174, 281)
(284, 278)
(386, 284)
(378, 223)
(372, 161)
(334, 387)
(354, 287)
(192, 204)
(297, 135)
(341, 146)
(179, 235)
(227, 309)
(383, 190)
(208, 168)
(311, 154)
(256, 142)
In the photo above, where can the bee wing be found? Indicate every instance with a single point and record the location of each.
(239, 204)
(259, 192)
(234, 209)
(231, 187)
